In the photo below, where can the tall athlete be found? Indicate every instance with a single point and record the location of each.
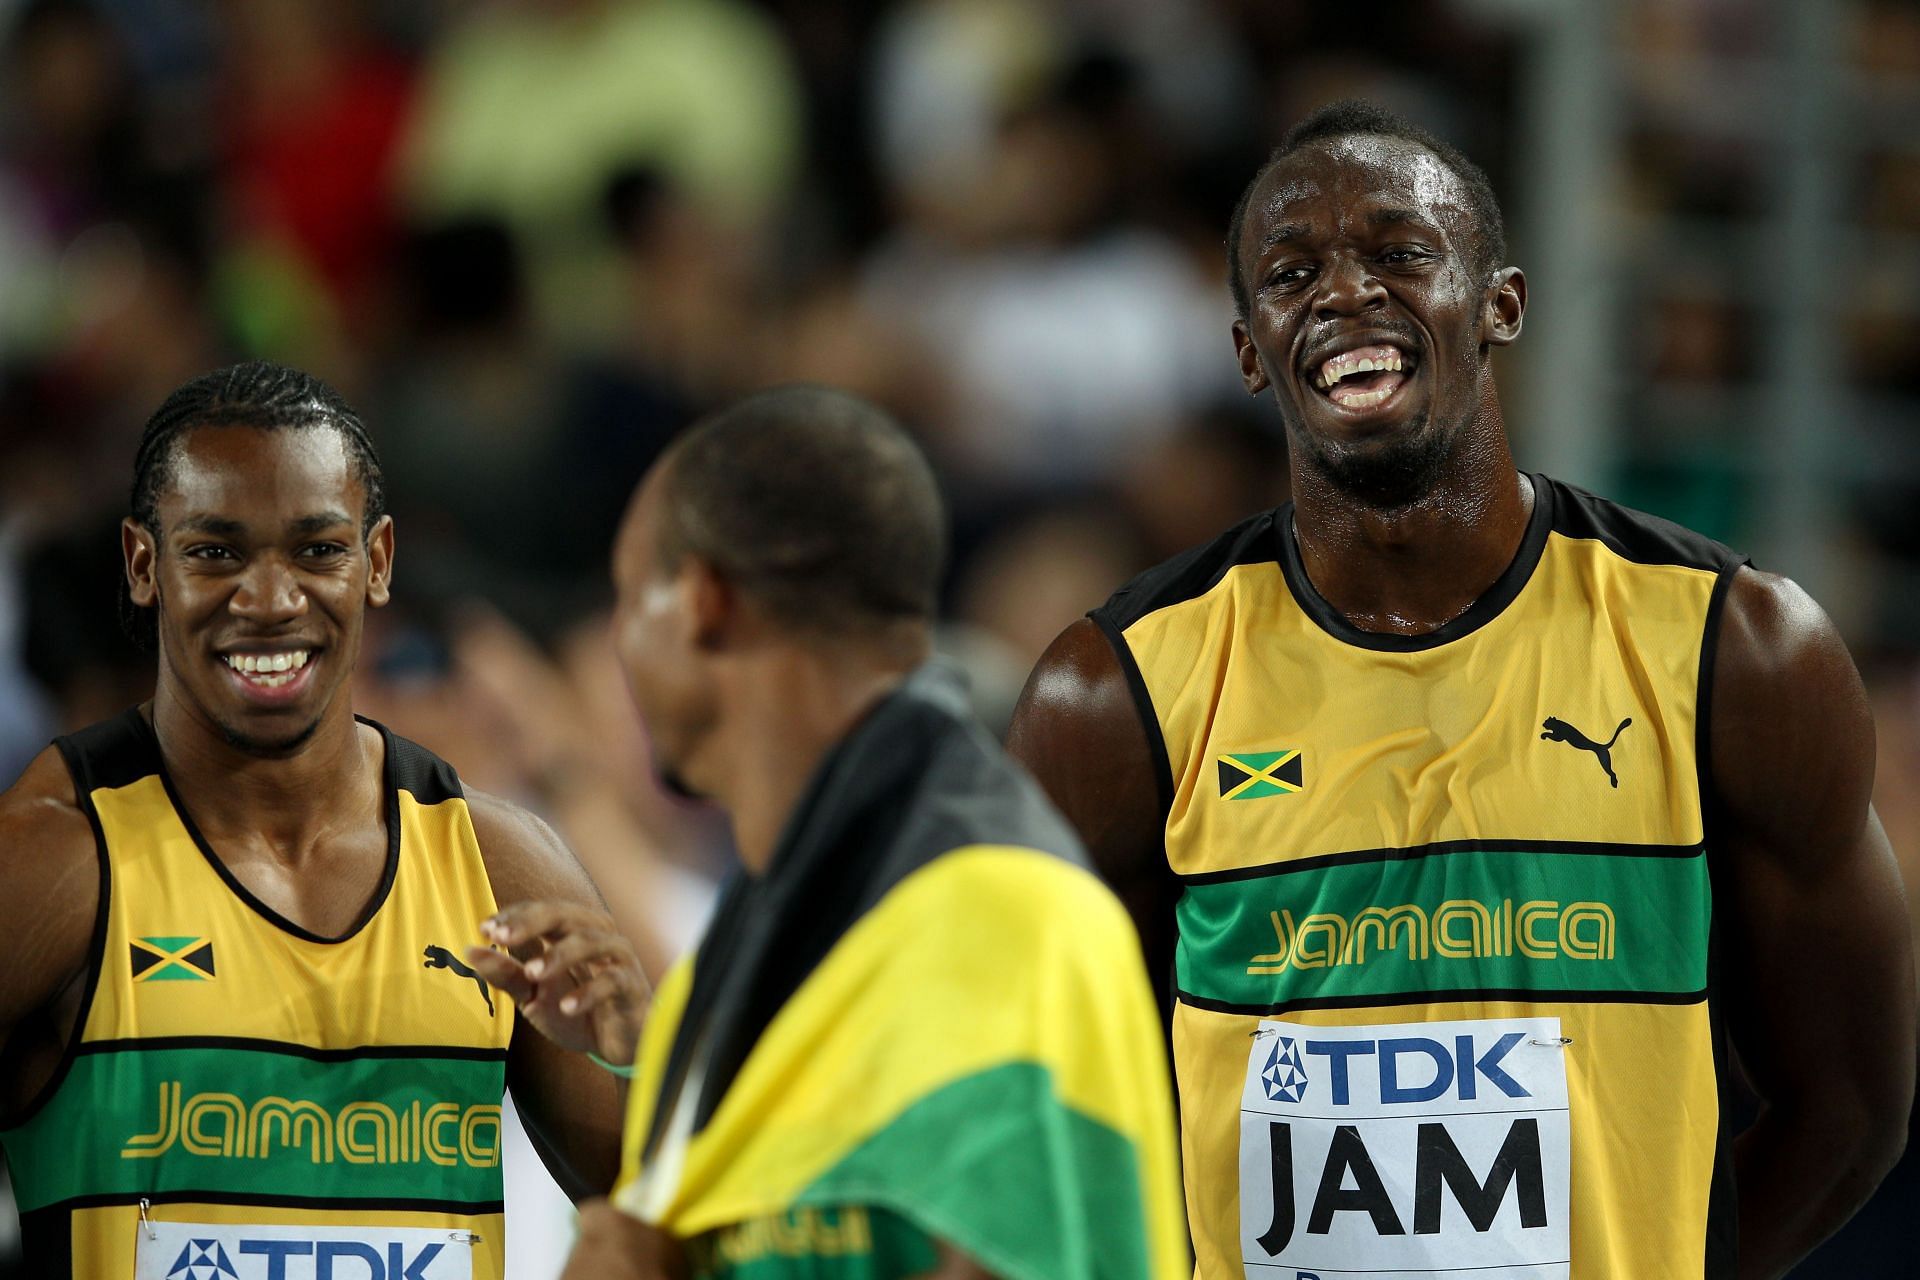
(236, 1037)
(1489, 830)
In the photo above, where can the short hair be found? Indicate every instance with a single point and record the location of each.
(815, 503)
(257, 394)
(1353, 116)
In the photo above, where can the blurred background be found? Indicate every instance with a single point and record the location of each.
(531, 239)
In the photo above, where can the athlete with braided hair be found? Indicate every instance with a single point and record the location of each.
(237, 1038)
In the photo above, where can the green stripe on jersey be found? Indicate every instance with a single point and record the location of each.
(209, 1121)
(1467, 920)
(995, 1164)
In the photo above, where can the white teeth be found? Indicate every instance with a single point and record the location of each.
(1346, 365)
(265, 666)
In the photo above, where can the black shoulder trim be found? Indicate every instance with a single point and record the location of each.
(452, 1208)
(1191, 573)
(416, 770)
(1143, 707)
(114, 753)
(1443, 995)
(1634, 535)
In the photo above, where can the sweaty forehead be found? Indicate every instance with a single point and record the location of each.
(267, 472)
(1332, 185)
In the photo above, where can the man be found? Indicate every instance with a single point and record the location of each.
(917, 1039)
(236, 1038)
(1472, 812)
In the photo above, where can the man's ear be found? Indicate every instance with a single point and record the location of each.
(1506, 307)
(380, 562)
(713, 603)
(1253, 374)
(137, 549)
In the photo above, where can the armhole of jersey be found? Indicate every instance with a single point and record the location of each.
(1143, 707)
(96, 946)
(1722, 1225)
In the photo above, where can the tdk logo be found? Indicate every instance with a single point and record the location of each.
(201, 1251)
(1441, 1070)
(1283, 1079)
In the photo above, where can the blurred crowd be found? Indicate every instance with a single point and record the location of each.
(531, 239)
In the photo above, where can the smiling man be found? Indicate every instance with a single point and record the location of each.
(234, 1039)
(1478, 821)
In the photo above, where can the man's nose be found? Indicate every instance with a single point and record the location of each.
(269, 591)
(1347, 287)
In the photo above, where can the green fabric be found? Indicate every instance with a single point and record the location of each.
(213, 1120)
(995, 1164)
(1605, 923)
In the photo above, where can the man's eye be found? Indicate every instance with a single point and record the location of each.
(322, 550)
(1285, 276)
(1400, 257)
(207, 551)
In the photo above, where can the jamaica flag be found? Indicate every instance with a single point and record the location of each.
(927, 1012)
(172, 959)
(1250, 775)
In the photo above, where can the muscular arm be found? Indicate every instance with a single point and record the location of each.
(1819, 965)
(573, 1108)
(1078, 731)
(49, 896)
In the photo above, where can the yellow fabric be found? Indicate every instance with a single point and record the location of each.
(1404, 749)
(989, 930)
(273, 985)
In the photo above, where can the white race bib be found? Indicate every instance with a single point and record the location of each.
(208, 1251)
(1405, 1151)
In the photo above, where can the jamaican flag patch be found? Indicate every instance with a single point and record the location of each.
(172, 959)
(1253, 775)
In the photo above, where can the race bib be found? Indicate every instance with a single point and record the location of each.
(1405, 1151)
(207, 1251)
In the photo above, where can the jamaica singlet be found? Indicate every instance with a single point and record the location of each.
(1445, 996)
(244, 1100)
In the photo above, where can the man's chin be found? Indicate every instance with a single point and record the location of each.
(1391, 471)
(276, 746)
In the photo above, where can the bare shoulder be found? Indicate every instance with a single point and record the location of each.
(49, 884)
(526, 859)
(1077, 682)
(1792, 737)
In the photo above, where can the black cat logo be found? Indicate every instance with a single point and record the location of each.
(441, 958)
(1561, 731)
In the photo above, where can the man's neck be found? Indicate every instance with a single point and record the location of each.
(1416, 568)
(288, 803)
(790, 710)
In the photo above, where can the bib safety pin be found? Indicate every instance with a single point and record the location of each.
(146, 1225)
(1555, 1042)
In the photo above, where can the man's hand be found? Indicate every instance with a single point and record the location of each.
(573, 974)
(613, 1246)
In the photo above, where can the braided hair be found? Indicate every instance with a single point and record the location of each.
(257, 394)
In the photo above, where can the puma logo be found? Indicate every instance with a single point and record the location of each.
(441, 958)
(1561, 731)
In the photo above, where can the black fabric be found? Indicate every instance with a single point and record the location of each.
(1634, 535)
(914, 780)
(1195, 572)
(113, 753)
(417, 771)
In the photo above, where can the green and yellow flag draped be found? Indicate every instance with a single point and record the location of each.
(976, 1058)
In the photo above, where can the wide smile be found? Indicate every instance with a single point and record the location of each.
(271, 677)
(1364, 383)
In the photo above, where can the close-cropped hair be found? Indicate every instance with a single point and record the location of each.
(814, 503)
